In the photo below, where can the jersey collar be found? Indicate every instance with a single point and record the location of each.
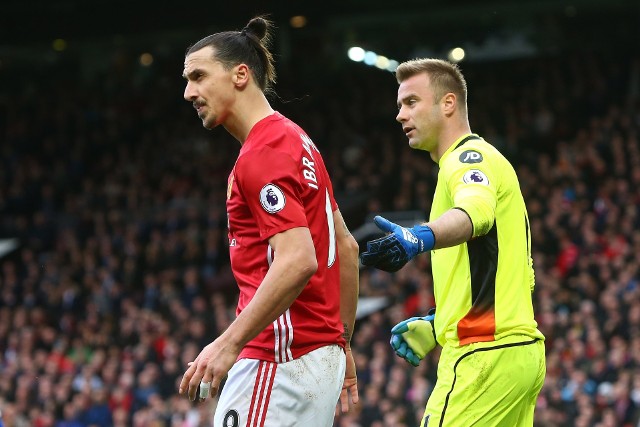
(460, 141)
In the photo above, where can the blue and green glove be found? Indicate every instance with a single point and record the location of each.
(414, 338)
(391, 252)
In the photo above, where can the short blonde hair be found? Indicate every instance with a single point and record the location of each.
(445, 77)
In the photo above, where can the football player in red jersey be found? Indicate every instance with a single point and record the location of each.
(294, 260)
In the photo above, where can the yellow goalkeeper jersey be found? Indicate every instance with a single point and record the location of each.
(483, 287)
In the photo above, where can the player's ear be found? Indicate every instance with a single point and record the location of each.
(449, 103)
(240, 75)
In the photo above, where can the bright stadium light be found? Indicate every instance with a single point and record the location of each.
(370, 58)
(382, 62)
(456, 54)
(298, 21)
(393, 65)
(356, 54)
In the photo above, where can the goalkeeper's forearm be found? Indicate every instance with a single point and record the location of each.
(452, 228)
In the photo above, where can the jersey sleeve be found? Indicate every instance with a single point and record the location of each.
(269, 181)
(473, 188)
(332, 199)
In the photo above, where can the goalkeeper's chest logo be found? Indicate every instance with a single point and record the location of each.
(272, 198)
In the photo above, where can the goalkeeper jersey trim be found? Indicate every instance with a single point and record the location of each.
(483, 287)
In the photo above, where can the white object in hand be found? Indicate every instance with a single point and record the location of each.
(204, 389)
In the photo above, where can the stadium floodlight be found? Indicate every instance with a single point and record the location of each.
(382, 62)
(373, 59)
(370, 57)
(298, 21)
(456, 54)
(356, 54)
(146, 59)
(393, 65)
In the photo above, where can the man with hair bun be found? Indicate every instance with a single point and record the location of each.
(287, 353)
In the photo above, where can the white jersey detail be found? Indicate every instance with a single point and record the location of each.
(283, 333)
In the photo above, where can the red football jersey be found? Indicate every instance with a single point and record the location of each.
(280, 182)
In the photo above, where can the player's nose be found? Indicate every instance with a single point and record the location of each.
(190, 93)
(401, 117)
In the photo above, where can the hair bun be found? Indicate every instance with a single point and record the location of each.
(257, 27)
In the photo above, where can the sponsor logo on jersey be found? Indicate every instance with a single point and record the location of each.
(272, 198)
(470, 156)
(474, 176)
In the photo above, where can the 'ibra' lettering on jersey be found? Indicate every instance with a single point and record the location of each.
(309, 173)
(308, 145)
(470, 156)
(308, 166)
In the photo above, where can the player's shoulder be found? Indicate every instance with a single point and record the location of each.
(281, 134)
(475, 152)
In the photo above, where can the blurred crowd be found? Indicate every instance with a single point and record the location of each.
(116, 196)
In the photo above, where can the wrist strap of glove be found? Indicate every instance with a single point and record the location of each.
(425, 235)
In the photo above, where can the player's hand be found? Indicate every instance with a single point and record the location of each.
(412, 339)
(350, 384)
(391, 252)
(203, 377)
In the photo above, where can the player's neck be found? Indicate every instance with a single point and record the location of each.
(448, 136)
(248, 110)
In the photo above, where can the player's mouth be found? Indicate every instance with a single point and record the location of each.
(198, 106)
(407, 130)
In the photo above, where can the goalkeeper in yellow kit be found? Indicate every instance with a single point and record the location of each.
(492, 364)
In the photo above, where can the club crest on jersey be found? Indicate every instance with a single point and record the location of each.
(474, 176)
(272, 198)
(229, 186)
(470, 156)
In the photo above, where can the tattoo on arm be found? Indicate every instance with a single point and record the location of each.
(347, 333)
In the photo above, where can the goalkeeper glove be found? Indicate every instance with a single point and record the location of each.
(391, 252)
(414, 338)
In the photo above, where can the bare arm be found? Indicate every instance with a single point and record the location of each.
(349, 274)
(293, 265)
(349, 285)
(452, 228)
